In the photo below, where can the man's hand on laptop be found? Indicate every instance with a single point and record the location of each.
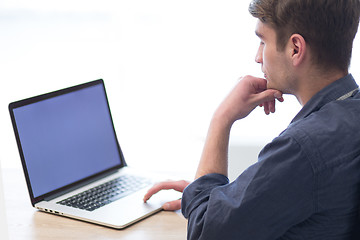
(176, 185)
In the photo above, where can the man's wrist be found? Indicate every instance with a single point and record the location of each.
(221, 120)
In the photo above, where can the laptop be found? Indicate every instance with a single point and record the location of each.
(72, 160)
(3, 222)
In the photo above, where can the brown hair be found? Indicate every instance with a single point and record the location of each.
(328, 26)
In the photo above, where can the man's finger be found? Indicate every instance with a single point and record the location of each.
(176, 185)
(266, 108)
(172, 206)
(272, 106)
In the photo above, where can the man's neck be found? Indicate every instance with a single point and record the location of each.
(313, 83)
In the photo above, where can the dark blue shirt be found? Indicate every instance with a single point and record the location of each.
(305, 185)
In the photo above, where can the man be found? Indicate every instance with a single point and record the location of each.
(306, 183)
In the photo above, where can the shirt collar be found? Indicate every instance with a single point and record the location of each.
(328, 94)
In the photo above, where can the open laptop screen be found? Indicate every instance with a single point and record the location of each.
(67, 138)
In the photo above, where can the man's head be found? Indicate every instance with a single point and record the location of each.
(327, 26)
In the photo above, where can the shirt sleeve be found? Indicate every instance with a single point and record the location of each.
(264, 202)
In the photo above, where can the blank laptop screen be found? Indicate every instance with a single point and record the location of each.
(67, 138)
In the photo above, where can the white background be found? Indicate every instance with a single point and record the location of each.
(166, 65)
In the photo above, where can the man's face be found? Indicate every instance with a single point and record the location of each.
(274, 63)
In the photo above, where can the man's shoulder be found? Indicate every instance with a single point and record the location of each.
(331, 133)
(335, 117)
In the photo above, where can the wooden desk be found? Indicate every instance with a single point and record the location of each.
(25, 222)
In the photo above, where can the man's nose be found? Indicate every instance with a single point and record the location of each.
(258, 57)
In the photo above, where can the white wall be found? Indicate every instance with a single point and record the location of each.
(166, 65)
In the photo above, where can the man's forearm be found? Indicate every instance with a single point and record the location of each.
(214, 158)
(246, 95)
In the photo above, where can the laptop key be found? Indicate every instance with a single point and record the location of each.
(106, 193)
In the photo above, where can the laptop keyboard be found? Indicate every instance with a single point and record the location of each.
(106, 193)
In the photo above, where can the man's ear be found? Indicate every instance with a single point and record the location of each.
(297, 49)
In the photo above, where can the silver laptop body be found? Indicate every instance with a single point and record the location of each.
(68, 144)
